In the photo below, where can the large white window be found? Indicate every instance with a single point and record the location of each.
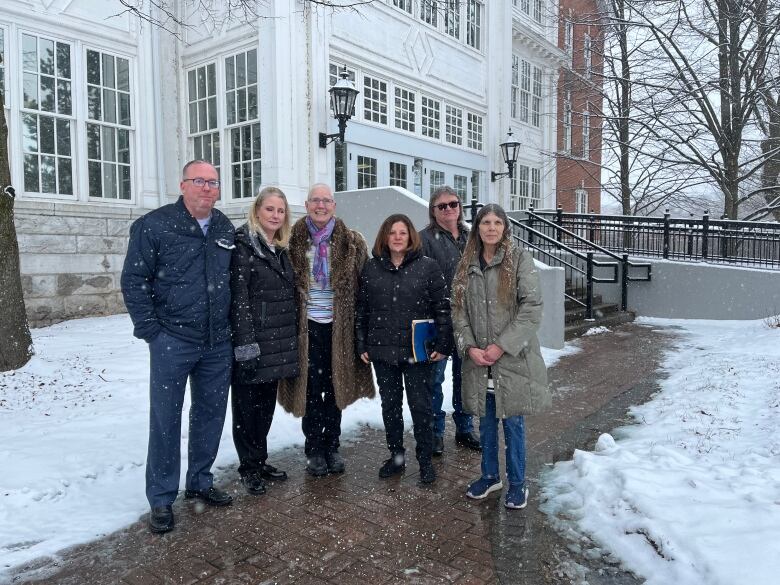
(2, 65)
(515, 86)
(431, 117)
(460, 184)
(588, 56)
(403, 5)
(586, 135)
(374, 99)
(436, 180)
(580, 201)
(454, 125)
(452, 18)
(429, 12)
(536, 188)
(47, 115)
(404, 109)
(108, 131)
(567, 123)
(474, 131)
(243, 126)
(518, 189)
(536, 98)
(366, 172)
(397, 175)
(474, 24)
(538, 10)
(202, 99)
(525, 89)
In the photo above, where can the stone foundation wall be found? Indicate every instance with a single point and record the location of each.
(72, 255)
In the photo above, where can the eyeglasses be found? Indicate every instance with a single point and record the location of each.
(200, 182)
(451, 205)
(317, 201)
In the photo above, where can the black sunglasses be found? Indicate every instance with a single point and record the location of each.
(451, 205)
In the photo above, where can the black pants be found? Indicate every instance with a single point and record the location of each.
(253, 408)
(391, 379)
(322, 421)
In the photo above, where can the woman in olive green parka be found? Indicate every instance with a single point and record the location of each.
(496, 311)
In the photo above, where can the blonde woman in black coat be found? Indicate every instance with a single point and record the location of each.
(265, 340)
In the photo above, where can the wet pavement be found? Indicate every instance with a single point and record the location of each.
(357, 528)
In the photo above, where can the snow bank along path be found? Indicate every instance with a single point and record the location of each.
(690, 494)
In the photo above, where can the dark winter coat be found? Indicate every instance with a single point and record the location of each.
(352, 378)
(176, 279)
(391, 298)
(263, 310)
(438, 243)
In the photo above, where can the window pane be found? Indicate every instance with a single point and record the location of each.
(193, 117)
(94, 103)
(30, 133)
(48, 177)
(30, 83)
(252, 105)
(109, 181)
(95, 184)
(241, 111)
(109, 143)
(230, 103)
(63, 60)
(241, 70)
(122, 74)
(109, 105)
(93, 67)
(212, 113)
(30, 56)
(63, 137)
(31, 173)
(215, 145)
(201, 91)
(202, 115)
(191, 86)
(47, 93)
(251, 67)
(108, 71)
(46, 55)
(65, 175)
(64, 105)
(123, 139)
(124, 182)
(246, 143)
(47, 134)
(211, 77)
(124, 109)
(93, 141)
(256, 141)
(230, 73)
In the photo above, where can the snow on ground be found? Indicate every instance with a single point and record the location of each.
(73, 434)
(690, 494)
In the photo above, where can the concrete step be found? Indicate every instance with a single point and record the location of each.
(599, 310)
(569, 304)
(576, 329)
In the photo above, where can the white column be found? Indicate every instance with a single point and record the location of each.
(499, 57)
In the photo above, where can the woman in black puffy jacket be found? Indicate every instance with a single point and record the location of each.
(265, 338)
(399, 285)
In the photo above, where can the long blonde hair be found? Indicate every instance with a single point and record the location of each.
(282, 235)
(507, 285)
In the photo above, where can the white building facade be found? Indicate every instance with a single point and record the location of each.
(104, 108)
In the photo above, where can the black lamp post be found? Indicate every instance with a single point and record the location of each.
(510, 148)
(342, 101)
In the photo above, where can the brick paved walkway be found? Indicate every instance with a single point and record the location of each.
(356, 528)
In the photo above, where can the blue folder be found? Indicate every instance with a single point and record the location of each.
(423, 338)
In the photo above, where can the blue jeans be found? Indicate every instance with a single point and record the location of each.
(514, 439)
(462, 420)
(172, 362)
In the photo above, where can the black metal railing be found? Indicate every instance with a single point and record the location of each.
(749, 243)
(581, 269)
(557, 235)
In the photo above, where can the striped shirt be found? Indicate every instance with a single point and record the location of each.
(319, 307)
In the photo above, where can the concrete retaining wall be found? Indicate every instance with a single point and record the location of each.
(691, 290)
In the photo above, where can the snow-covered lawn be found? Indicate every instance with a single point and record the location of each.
(690, 494)
(73, 433)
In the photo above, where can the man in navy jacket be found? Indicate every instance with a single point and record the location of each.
(176, 287)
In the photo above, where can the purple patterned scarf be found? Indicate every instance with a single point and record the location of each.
(320, 239)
